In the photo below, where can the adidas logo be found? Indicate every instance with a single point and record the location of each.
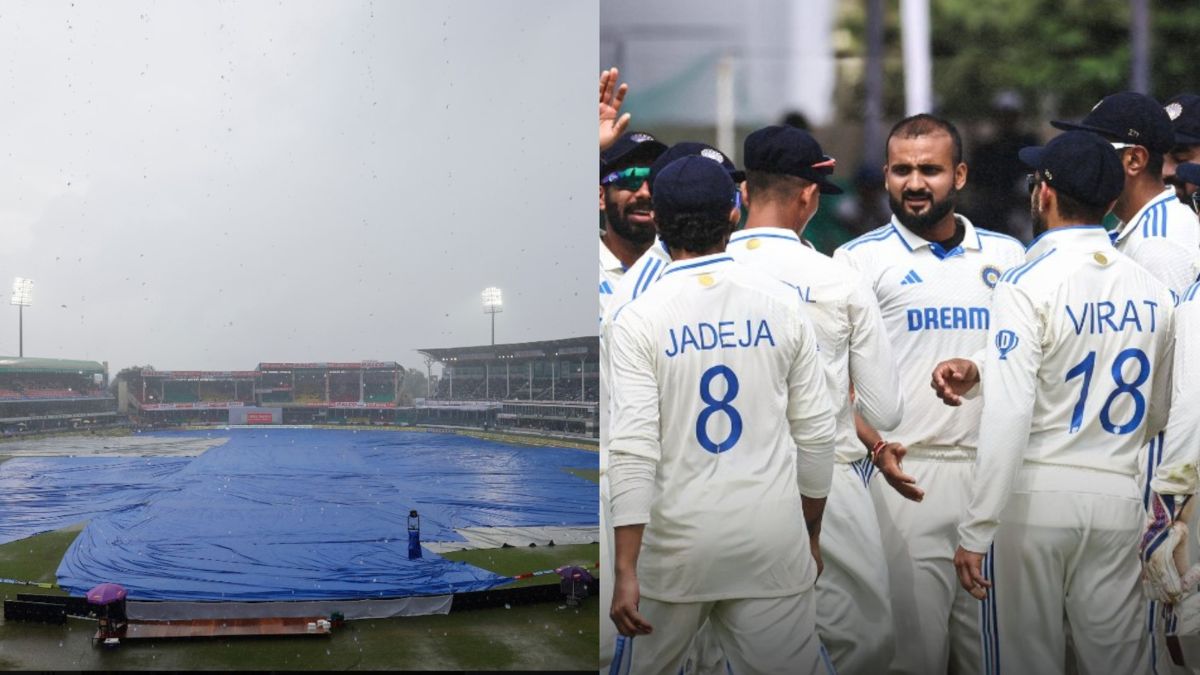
(911, 278)
(605, 288)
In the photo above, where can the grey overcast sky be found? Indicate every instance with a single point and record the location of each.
(208, 185)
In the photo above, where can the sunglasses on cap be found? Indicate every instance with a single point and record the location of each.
(627, 179)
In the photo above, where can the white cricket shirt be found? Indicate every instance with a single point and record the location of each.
(849, 328)
(936, 304)
(1164, 237)
(611, 271)
(1076, 374)
(644, 272)
(1176, 475)
(716, 379)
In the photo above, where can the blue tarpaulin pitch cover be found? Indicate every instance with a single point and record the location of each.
(305, 514)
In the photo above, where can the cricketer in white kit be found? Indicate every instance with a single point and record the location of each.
(1158, 232)
(1075, 378)
(935, 302)
(706, 658)
(784, 180)
(720, 454)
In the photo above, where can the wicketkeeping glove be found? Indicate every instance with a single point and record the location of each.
(1167, 577)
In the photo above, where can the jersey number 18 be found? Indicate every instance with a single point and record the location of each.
(1085, 368)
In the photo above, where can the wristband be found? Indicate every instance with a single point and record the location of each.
(876, 448)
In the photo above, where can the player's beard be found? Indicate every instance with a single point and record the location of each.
(924, 222)
(618, 220)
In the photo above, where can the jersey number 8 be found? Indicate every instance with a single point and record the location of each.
(1085, 368)
(716, 405)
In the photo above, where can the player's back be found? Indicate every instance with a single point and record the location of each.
(841, 308)
(1106, 347)
(724, 341)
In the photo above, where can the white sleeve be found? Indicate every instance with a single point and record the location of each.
(810, 414)
(634, 428)
(1177, 474)
(631, 481)
(1009, 391)
(877, 394)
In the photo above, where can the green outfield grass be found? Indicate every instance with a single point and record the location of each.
(532, 637)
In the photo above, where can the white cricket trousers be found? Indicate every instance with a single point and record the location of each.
(854, 611)
(1061, 552)
(936, 621)
(760, 636)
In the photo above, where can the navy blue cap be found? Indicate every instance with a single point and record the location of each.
(692, 148)
(1128, 117)
(790, 151)
(1188, 172)
(1079, 164)
(692, 184)
(635, 148)
(1184, 111)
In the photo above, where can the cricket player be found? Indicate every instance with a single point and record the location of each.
(625, 203)
(647, 270)
(786, 173)
(721, 448)
(932, 272)
(1075, 378)
(1157, 231)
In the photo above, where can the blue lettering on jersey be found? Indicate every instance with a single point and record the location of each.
(948, 318)
(724, 335)
(1106, 316)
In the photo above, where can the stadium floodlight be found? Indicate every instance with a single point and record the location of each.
(492, 304)
(22, 297)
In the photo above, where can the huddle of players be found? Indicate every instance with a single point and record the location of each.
(744, 368)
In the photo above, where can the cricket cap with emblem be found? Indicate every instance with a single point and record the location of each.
(635, 148)
(1184, 111)
(692, 184)
(690, 148)
(1128, 117)
(1079, 164)
(791, 151)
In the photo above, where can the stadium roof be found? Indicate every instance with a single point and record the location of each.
(580, 346)
(15, 364)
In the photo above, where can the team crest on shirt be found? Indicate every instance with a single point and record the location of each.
(1006, 341)
(990, 275)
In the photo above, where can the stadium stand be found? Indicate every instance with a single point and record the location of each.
(47, 394)
(307, 393)
(551, 385)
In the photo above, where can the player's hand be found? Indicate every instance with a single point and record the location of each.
(887, 460)
(953, 378)
(624, 611)
(612, 122)
(969, 566)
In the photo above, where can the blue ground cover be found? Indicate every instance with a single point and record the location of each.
(298, 514)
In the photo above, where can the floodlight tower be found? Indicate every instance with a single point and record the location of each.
(22, 297)
(492, 304)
